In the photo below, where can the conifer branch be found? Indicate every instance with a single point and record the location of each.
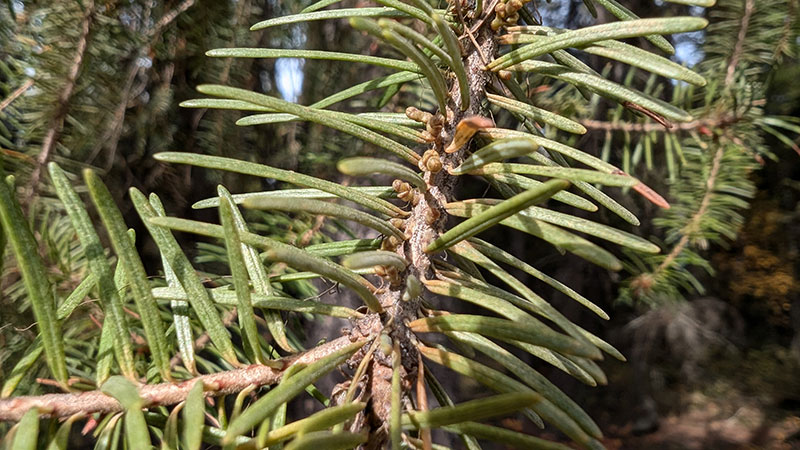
(113, 131)
(408, 259)
(710, 123)
(165, 394)
(169, 17)
(741, 32)
(17, 92)
(694, 222)
(426, 221)
(788, 32)
(749, 8)
(62, 107)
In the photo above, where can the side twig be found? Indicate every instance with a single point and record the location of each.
(694, 223)
(62, 108)
(749, 9)
(163, 394)
(709, 123)
(17, 92)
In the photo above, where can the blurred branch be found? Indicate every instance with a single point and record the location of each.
(19, 91)
(113, 131)
(62, 108)
(693, 224)
(749, 8)
(711, 123)
(169, 17)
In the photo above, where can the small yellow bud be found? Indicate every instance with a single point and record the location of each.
(416, 114)
(386, 344)
(398, 223)
(434, 165)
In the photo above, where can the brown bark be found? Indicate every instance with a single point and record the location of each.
(163, 394)
(422, 231)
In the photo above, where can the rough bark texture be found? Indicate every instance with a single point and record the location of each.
(421, 231)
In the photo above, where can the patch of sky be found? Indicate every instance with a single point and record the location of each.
(144, 61)
(688, 46)
(289, 71)
(289, 77)
(555, 15)
(564, 14)
(687, 50)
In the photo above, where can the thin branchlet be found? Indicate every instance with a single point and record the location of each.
(165, 394)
